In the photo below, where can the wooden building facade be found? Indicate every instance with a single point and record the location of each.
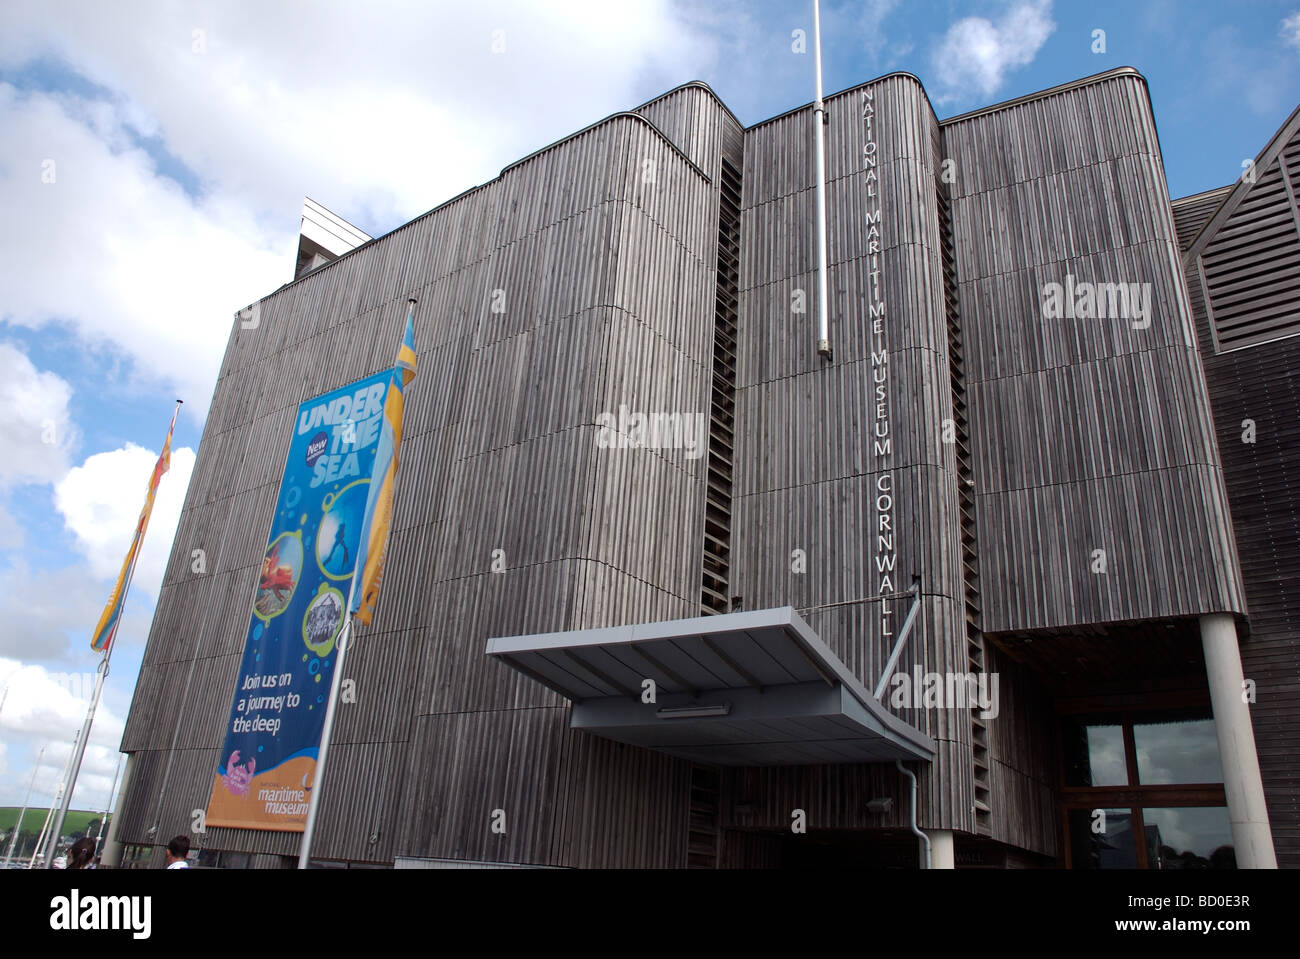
(1038, 490)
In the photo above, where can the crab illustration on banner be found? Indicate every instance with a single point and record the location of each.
(379, 504)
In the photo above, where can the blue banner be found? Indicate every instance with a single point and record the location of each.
(268, 763)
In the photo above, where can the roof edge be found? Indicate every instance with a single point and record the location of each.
(1271, 151)
(1049, 92)
(587, 129)
(855, 87)
(1192, 197)
(621, 114)
(700, 84)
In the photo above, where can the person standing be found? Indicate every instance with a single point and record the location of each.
(177, 850)
(82, 854)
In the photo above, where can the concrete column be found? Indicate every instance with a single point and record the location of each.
(1251, 837)
(111, 854)
(941, 850)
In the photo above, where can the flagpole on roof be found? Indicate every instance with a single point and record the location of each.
(105, 632)
(819, 123)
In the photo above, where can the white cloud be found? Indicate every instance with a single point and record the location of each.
(42, 611)
(976, 54)
(35, 428)
(1290, 31)
(122, 253)
(395, 106)
(48, 708)
(100, 502)
(380, 113)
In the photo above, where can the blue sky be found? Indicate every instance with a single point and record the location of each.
(153, 160)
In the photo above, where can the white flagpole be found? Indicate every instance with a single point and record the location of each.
(336, 683)
(58, 796)
(79, 750)
(45, 826)
(819, 122)
(111, 789)
(83, 737)
(9, 854)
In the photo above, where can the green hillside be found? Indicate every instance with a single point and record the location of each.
(76, 822)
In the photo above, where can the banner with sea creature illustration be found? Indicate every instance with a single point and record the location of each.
(265, 775)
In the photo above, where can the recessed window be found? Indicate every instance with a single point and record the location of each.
(1144, 790)
(1095, 755)
(1177, 752)
(135, 856)
(1102, 839)
(1189, 837)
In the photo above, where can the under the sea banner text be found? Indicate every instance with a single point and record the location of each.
(268, 763)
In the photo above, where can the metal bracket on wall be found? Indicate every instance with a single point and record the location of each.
(902, 638)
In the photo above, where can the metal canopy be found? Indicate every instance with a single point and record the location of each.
(741, 689)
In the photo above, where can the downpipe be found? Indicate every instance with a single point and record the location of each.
(925, 840)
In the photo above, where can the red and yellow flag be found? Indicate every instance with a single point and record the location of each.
(107, 626)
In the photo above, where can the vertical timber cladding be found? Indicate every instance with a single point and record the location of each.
(1098, 486)
(839, 488)
(695, 120)
(589, 533)
(500, 454)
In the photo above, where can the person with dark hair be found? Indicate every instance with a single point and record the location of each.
(177, 850)
(82, 854)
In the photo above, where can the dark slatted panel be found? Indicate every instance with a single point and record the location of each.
(715, 589)
(1191, 213)
(1262, 384)
(961, 444)
(704, 834)
(1251, 267)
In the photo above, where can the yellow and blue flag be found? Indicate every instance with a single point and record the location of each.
(383, 479)
(106, 629)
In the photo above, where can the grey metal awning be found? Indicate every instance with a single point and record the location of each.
(741, 689)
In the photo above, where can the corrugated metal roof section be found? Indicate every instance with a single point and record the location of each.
(751, 688)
